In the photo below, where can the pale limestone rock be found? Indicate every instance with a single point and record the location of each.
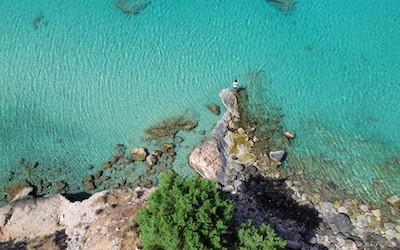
(342, 210)
(206, 159)
(393, 199)
(350, 245)
(139, 154)
(289, 134)
(376, 213)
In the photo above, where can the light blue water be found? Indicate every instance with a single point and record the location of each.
(90, 77)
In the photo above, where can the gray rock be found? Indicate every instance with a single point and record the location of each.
(151, 160)
(327, 206)
(220, 129)
(238, 167)
(277, 155)
(239, 186)
(293, 244)
(227, 98)
(227, 116)
(251, 170)
(234, 172)
(362, 220)
(343, 223)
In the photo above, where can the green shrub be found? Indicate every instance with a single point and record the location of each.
(191, 214)
(185, 214)
(262, 237)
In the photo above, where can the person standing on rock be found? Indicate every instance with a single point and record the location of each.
(235, 85)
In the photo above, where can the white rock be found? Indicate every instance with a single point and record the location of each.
(364, 208)
(376, 213)
(397, 236)
(350, 245)
(241, 131)
(389, 234)
(288, 183)
(393, 199)
(342, 210)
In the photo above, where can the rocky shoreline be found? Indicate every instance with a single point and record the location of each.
(262, 191)
(264, 194)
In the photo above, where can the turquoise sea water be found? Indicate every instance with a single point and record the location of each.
(78, 77)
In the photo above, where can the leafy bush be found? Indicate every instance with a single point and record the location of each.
(191, 214)
(185, 214)
(262, 237)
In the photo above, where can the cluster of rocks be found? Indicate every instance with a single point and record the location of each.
(116, 171)
(304, 220)
(124, 169)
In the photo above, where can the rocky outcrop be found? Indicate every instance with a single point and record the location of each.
(207, 159)
(227, 149)
(94, 223)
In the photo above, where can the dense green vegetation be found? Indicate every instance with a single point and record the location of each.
(191, 214)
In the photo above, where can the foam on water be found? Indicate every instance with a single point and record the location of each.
(89, 76)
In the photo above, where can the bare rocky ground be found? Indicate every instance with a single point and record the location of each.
(102, 221)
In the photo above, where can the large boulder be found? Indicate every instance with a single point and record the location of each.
(206, 159)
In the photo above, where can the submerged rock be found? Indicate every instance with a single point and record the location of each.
(171, 126)
(214, 108)
(131, 7)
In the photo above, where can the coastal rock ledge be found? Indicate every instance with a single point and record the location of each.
(211, 158)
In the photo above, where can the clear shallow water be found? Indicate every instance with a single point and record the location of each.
(90, 77)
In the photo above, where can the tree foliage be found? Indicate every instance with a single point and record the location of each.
(262, 237)
(191, 214)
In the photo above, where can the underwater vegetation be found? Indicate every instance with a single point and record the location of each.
(170, 126)
(286, 6)
(131, 7)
